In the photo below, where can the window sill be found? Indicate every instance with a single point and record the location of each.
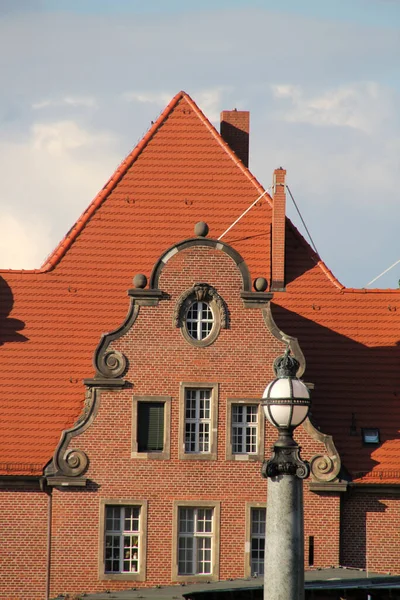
(122, 577)
(198, 456)
(245, 457)
(151, 455)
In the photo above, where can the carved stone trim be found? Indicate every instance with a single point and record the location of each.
(145, 297)
(256, 299)
(320, 487)
(290, 341)
(111, 364)
(70, 462)
(237, 258)
(324, 467)
(201, 292)
(57, 481)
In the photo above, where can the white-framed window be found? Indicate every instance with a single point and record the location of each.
(245, 424)
(122, 547)
(195, 541)
(257, 540)
(244, 428)
(197, 420)
(122, 541)
(199, 320)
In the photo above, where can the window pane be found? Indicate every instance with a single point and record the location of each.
(199, 320)
(203, 555)
(186, 520)
(237, 413)
(185, 556)
(244, 428)
(195, 541)
(197, 420)
(257, 540)
(150, 426)
(121, 549)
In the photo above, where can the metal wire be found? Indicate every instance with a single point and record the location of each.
(244, 213)
(385, 271)
(302, 220)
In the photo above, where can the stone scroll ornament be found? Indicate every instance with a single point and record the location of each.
(324, 467)
(70, 462)
(111, 363)
(73, 463)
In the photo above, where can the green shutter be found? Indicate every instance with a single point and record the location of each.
(150, 426)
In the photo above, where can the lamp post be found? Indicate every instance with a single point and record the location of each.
(286, 402)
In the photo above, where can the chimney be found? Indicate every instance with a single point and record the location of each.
(235, 130)
(278, 231)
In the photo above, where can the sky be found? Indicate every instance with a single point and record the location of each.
(83, 79)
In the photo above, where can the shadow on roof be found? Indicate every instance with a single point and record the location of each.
(9, 327)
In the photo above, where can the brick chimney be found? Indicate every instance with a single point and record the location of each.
(278, 231)
(235, 130)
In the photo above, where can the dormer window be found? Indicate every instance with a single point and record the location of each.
(199, 320)
(200, 313)
(370, 436)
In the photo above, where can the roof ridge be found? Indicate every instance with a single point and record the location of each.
(372, 290)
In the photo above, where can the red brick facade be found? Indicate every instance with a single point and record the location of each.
(160, 359)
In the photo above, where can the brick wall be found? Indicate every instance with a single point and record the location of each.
(371, 532)
(23, 544)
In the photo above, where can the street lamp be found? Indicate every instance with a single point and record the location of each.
(286, 402)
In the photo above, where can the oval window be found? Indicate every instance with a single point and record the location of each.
(199, 320)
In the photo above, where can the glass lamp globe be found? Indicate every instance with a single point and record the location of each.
(286, 400)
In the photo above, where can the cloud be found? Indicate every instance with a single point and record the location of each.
(75, 101)
(362, 105)
(58, 138)
(158, 98)
(23, 244)
(47, 179)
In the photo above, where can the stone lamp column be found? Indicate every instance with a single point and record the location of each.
(286, 402)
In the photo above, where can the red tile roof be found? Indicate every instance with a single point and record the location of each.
(182, 172)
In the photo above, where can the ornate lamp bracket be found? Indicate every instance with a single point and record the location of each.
(286, 459)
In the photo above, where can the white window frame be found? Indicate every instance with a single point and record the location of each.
(250, 506)
(120, 534)
(202, 307)
(196, 505)
(258, 455)
(201, 540)
(200, 436)
(246, 428)
(198, 421)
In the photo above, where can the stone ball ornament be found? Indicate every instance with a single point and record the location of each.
(140, 281)
(201, 229)
(260, 284)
